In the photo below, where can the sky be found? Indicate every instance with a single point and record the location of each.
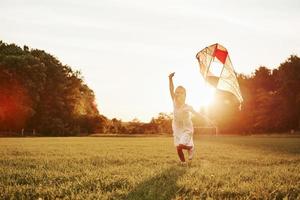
(125, 49)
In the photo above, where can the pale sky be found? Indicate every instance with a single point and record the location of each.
(125, 49)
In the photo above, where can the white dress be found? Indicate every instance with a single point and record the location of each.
(182, 125)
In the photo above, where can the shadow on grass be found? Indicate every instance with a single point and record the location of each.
(161, 186)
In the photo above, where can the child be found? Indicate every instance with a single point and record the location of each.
(182, 124)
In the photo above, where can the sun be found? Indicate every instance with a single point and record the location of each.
(200, 95)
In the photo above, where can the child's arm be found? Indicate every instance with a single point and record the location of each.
(171, 85)
(198, 114)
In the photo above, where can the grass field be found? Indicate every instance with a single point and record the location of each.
(147, 168)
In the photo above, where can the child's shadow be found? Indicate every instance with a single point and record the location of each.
(161, 186)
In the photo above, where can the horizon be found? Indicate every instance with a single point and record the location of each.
(125, 51)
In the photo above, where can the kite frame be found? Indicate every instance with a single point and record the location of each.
(237, 90)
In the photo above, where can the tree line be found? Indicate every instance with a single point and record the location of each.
(41, 96)
(271, 105)
(271, 101)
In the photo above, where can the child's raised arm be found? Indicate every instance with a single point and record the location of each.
(171, 85)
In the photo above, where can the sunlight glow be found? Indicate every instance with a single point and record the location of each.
(199, 93)
(208, 96)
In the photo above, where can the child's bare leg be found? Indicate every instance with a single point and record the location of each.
(185, 147)
(189, 149)
(180, 153)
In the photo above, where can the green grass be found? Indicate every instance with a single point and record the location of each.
(147, 168)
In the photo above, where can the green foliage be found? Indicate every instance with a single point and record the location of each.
(271, 101)
(39, 93)
(147, 168)
(161, 124)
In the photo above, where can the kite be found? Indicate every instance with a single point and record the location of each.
(216, 69)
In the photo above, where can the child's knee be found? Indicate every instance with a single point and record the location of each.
(180, 147)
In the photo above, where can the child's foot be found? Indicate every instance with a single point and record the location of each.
(191, 153)
(183, 164)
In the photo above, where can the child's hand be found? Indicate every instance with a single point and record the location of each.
(171, 75)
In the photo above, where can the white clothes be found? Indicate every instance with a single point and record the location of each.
(182, 125)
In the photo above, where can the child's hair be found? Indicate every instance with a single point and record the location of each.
(181, 88)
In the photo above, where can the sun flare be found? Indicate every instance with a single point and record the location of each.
(203, 98)
(200, 94)
(207, 97)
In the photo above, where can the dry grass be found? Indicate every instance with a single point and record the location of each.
(147, 168)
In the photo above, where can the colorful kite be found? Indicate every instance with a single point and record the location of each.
(216, 68)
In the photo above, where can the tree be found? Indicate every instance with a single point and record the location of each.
(288, 82)
(48, 96)
(162, 123)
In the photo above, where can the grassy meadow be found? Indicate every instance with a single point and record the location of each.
(224, 167)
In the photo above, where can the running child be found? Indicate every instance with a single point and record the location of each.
(182, 123)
